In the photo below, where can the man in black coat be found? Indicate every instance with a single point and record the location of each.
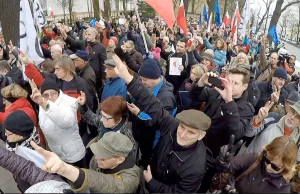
(179, 159)
(273, 90)
(96, 51)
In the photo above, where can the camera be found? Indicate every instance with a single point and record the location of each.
(283, 55)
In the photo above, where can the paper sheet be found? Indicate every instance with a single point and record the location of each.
(174, 66)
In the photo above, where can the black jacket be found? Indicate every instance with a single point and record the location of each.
(146, 129)
(88, 74)
(265, 94)
(173, 171)
(227, 119)
(96, 51)
(292, 86)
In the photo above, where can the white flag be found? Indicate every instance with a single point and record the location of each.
(101, 4)
(38, 15)
(245, 19)
(29, 42)
(113, 5)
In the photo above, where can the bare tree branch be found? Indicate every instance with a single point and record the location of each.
(289, 4)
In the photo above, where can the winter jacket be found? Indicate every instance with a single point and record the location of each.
(176, 81)
(72, 89)
(88, 74)
(227, 119)
(123, 38)
(59, 124)
(20, 104)
(257, 181)
(144, 129)
(96, 50)
(292, 86)
(95, 120)
(136, 57)
(173, 171)
(125, 178)
(24, 169)
(219, 55)
(114, 87)
(265, 94)
(253, 91)
(266, 132)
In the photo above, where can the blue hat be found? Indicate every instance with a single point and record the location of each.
(150, 69)
(81, 54)
(280, 73)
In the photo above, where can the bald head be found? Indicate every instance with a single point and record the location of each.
(56, 51)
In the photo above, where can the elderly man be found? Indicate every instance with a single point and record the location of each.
(112, 169)
(179, 159)
(95, 49)
(56, 51)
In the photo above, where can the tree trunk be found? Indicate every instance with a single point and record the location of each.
(70, 10)
(276, 15)
(124, 5)
(88, 6)
(107, 9)
(9, 17)
(225, 7)
(186, 6)
(193, 7)
(211, 7)
(96, 9)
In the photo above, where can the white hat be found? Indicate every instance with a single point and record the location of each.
(51, 186)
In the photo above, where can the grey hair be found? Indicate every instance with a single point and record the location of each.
(92, 30)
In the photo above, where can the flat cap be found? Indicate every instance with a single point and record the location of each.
(194, 119)
(111, 145)
(110, 63)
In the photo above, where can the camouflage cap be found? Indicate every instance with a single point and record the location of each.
(111, 145)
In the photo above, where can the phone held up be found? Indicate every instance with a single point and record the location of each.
(216, 82)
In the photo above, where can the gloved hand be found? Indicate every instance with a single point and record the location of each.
(230, 188)
(227, 152)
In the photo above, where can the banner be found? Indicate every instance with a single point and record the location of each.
(29, 42)
(38, 15)
(245, 19)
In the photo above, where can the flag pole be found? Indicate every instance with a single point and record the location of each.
(140, 24)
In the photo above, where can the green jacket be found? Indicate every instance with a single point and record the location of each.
(124, 181)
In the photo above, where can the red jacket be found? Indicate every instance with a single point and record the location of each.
(24, 105)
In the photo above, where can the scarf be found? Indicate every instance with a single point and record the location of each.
(129, 162)
(104, 130)
(12, 146)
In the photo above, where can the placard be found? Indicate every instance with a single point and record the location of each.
(175, 63)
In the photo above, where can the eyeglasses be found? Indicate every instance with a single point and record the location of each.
(50, 94)
(106, 118)
(274, 166)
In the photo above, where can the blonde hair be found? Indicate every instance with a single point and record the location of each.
(14, 91)
(66, 63)
(286, 149)
(200, 70)
(224, 45)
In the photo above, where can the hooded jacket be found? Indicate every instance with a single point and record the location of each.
(123, 37)
(59, 125)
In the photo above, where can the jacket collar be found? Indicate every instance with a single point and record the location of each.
(80, 71)
(128, 163)
(60, 98)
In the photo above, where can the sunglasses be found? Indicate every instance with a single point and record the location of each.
(51, 94)
(274, 166)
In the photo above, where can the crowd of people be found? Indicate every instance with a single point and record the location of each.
(101, 114)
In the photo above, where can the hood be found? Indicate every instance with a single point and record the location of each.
(123, 29)
(167, 86)
(20, 104)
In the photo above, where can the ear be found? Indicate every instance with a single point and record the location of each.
(245, 86)
(201, 135)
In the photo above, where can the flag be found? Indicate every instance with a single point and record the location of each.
(51, 13)
(234, 32)
(93, 22)
(226, 19)
(101, 4)
(29, 42)
(200, 19)
(245, 19)
(274, 35)
(181, 21)
(209, 24)
(218, 20)
(165, 10)
(237, 16)
(113, 5)
(205, 15)
(38, 14)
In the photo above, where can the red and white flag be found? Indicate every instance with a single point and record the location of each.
(226, 19)
(165, 10)
(235, 23)
(181, 21)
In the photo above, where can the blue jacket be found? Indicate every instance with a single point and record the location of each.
(114, 87)
(219, 55)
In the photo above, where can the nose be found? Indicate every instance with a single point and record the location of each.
(182, 135)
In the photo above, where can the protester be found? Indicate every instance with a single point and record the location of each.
(268, 171)
(111, 170)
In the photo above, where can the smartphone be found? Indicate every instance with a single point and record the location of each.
(216, 82)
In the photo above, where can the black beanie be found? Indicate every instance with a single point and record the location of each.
(49, 84)
(150, 69)
(18, 122)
